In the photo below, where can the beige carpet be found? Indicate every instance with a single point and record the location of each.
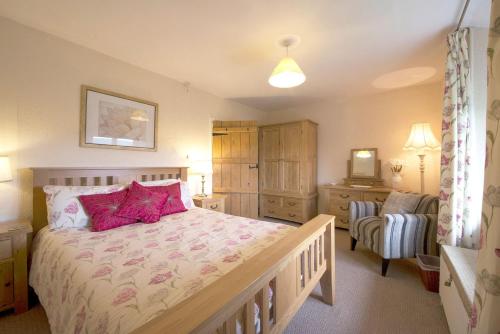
(365, 301)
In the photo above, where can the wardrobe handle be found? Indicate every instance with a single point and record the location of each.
(344, 196)
(270, 211)
(379, 200)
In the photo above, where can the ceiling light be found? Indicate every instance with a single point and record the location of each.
(288, 73)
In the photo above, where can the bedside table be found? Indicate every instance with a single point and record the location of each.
(14, 265)
(214, 202)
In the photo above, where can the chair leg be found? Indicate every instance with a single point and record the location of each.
(353, 243)
(385, 265)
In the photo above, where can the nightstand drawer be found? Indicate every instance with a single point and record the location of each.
(214, 205)
(5, 248)
(6, 283)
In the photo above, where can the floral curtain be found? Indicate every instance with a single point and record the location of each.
(454, 224)
(485, 316)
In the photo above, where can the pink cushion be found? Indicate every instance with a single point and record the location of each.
(174, 201)
(101, 209)
(142, 204)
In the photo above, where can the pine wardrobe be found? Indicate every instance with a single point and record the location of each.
(288, 170)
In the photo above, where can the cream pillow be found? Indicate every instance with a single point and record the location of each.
(64, 208)
(400, 203)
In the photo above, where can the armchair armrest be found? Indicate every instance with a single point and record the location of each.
(405, 235)
(360, 209)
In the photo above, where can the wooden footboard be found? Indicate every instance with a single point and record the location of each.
(292, 267)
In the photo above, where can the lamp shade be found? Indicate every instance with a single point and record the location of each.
(287, 74)
(421, 138)
(5, 171)
(201, 167)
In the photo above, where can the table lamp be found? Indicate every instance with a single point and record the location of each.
(421, 140)
(203, 168)
(5, 170)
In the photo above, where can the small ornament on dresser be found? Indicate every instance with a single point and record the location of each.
(396, 169)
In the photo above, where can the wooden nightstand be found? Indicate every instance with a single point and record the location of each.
(14, 265)
(213, 202)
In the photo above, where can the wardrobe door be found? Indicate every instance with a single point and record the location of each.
(291, 143)
(270, 158)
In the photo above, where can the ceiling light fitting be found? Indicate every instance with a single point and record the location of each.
(288, 73)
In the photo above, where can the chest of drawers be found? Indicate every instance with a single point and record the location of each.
(335, 199)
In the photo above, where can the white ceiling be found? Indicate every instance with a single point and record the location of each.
(229, 47)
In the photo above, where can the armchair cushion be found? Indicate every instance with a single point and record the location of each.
(398, 202)
(405, 235)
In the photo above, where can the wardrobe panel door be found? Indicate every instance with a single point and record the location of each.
(270, 143)
(291, 141)
(271, 178)
(291, 176)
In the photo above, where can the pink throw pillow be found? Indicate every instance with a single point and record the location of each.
(174, 201)
(142, 204)
(101, 209)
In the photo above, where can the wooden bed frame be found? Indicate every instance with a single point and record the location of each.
(293, 266)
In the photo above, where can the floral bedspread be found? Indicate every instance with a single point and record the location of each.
(114, 281)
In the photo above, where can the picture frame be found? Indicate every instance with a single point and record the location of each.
(117, 121)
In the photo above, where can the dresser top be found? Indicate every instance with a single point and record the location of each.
(363, 189)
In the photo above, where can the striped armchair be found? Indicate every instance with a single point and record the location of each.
(395, 236)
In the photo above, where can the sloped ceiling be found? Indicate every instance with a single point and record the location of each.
(229, 47)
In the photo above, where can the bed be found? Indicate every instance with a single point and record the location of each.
(195, 271)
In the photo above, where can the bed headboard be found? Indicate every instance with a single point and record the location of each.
(92, 176)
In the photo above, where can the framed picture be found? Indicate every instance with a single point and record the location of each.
(112, 120)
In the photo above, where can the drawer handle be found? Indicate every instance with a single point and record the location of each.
(7, 284)
(291, 214)
(214, 206)
(448, 282)
(292, 203)
(271, 201)
(344, 196)
(270, 211)
(379, 200)
(344, 209)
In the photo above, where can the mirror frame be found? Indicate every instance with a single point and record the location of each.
(376, 171)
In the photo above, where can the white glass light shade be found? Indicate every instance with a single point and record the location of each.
(421, 138)
(287, 74)
(5, 171)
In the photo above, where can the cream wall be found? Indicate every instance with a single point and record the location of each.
(40, 103)
(382, 121)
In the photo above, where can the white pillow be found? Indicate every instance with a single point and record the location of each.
(185, 195)
(64, 208)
